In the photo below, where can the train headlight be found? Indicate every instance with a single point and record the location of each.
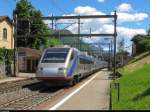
(40, 69)
(61, 70)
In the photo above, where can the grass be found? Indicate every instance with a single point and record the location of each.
(134, 86)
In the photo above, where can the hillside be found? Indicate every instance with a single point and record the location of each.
(136, 63)
(80, 44)
(134, 84)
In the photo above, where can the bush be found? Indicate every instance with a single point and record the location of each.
(142, 43)
(6, 56)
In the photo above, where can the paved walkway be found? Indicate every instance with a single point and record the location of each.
(93, 96)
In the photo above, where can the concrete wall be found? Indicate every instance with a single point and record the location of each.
(6, 71)
(133, 49)
(2, 71)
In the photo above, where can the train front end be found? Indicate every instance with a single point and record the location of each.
(53, 65)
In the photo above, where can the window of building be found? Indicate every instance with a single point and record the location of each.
(5, 34)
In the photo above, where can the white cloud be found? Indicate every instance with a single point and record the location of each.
(122, 16)
(129, 32)
(87, 10)
(125, 14)
(123, 31)
(104, 25)
(128, 17)
(88, 23)
(124, 7)
(100, 1)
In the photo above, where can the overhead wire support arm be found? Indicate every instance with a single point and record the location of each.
(71, 17)
(81, 17)
(68, 35)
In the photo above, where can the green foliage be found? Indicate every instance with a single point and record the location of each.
(6, 56)
(142, 43)
(24, 9)
(52, 42)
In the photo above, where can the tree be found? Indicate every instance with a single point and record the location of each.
(121, 45)
(27, 28)
(142, 43)
(52, 42)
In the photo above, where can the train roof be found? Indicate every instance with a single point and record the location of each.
(84, 54)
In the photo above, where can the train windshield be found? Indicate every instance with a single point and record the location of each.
(55, 55)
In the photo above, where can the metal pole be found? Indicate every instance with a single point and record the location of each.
(110, 102)
(15, 43)
(109, 58)
(111, 53)
(115, 35)
(52, 22)
(90, 32)
(79, 33)
(118, 91)
(55, 24)
(26, 40)
(89, 45)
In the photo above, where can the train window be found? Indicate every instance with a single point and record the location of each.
(55, 56)
(85, 61)
(58, 50)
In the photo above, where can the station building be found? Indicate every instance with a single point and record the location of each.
(6, 33)
(28, 59)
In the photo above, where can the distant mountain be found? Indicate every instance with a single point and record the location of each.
(71, 41)
(78, 43)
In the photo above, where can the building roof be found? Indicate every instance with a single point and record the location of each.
(30, 53)
(2, 18)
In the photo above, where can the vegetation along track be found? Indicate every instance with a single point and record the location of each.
(13, 86)
(28, 97)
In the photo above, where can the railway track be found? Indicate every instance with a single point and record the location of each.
(14, 86)
(27, 97)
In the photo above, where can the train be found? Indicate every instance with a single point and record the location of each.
(66, 66)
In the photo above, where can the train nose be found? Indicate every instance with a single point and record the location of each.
(51, 71)
(61, 70)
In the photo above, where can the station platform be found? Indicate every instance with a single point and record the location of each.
(93, 96)
(90, 94)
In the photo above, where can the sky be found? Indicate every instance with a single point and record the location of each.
(133, 15)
